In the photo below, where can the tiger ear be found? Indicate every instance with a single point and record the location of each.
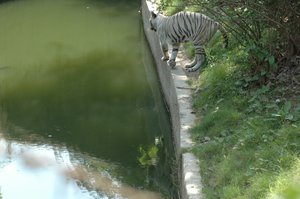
(153, 14)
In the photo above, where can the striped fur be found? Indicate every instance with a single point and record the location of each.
(183, 27)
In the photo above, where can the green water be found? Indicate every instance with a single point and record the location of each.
(77, 78)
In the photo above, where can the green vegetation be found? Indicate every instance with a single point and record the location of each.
(248, 135)
(248, 139)
(148, 157)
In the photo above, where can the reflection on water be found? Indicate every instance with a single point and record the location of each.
(55, 172)
(25, 165)
(74, 92)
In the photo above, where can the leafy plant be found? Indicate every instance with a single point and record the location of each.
(286, 112)
(148, 157)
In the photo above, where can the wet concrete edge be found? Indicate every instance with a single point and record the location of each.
(178, 96)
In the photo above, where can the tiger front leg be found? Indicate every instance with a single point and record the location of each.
(175, 48)
(164, 49)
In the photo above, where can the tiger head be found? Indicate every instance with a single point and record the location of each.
(153, 21)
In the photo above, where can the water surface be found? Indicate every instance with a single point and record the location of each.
(78, 89)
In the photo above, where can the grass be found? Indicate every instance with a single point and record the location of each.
(287, 184)
(248, 134)
(248, 137)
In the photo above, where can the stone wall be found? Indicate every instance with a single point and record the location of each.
(165, 76)
(177, 94)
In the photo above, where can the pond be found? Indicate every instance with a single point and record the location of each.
(81, 113)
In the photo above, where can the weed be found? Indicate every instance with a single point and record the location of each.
(148, 157)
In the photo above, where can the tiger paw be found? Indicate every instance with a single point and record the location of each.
(171, 63)
(190, 70)
(188, 66)
(164, 58)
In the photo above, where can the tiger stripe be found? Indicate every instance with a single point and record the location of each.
(183, 27)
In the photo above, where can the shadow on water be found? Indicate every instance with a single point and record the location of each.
(75, 101)
(77, 77)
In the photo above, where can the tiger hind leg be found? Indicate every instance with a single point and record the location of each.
(200, 58)
(191, 64)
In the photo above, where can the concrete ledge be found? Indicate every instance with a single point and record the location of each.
(177, 94)
(192, 181)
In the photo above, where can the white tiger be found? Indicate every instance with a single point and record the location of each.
(183, 27)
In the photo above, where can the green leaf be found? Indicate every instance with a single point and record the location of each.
(289, 117)
(271, 61)
(153, 152)
(276, 115)
(263, 72)
(287, 107)
(148, 157)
